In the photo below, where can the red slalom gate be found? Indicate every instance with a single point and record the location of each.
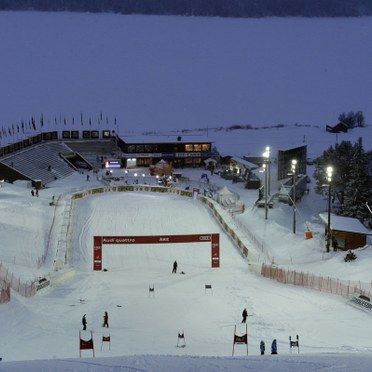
(213, 239)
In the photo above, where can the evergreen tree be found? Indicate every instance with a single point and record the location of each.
(359, 119)
(352, 119)
(339, 158)
(356, 188)
(350, 179)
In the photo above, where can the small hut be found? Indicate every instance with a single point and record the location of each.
(338, 128)
(346, 232)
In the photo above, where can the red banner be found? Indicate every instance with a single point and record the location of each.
(86, 344)
(240, 339)
(215, 250)
(97, 253)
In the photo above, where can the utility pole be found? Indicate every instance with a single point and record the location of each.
(294, 179)
(329, 180)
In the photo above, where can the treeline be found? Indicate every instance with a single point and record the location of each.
(351, 180)
(215, 8)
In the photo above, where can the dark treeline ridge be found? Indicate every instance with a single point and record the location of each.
(213, 8)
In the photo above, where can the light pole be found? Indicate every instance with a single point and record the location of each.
(266, 156)
(293, 168)
(329, 171)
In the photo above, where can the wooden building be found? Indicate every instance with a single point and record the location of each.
(144, 152)
(338, 128)
(346, 232)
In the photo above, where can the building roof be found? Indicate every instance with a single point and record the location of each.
(349, 224)
(162, 138)
(246, 163)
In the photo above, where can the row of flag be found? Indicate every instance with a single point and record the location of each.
(47, 123)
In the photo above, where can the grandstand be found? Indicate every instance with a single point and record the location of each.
(44, 158)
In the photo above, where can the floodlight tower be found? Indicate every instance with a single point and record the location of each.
(294, 179)
(329, 172)
(266, 165)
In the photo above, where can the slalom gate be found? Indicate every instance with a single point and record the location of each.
(99, 241)
(240, 339)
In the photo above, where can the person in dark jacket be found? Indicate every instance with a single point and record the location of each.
(244, 315)
(262, 347)
(105, 320)
(174, 271)
(274, 349)
(84, 322)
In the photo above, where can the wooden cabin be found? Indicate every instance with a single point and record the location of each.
(338, 128)
(346, 232)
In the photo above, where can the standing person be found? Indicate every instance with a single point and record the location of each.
(244, 315)
(84, 322)
(174, 271)
(105, 320)
(262, 347)
(274, 349)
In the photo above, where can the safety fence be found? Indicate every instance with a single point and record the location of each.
(63, 250)
(49, 237)
(27, 289)
(253, 238)
(4, 292)
(319, 283)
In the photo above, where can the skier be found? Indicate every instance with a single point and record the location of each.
(274, 349)
(262, 347)
(84, 322)
(105, 320)
(174, 271)
(244, 315)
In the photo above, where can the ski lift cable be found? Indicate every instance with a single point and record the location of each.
(369, 208)
(297, 210)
